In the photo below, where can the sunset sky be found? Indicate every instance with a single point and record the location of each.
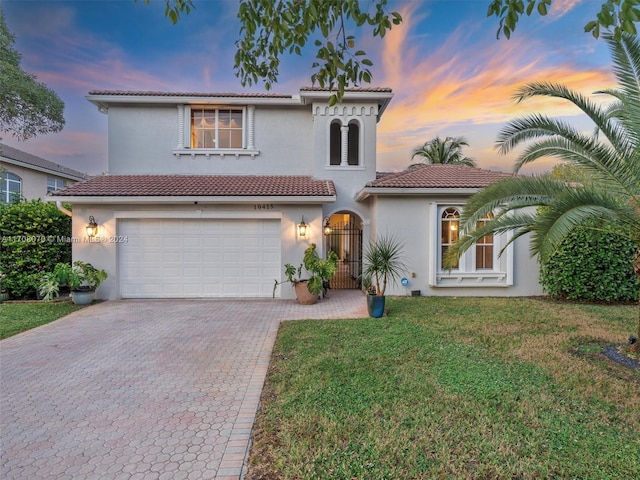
(449, 74)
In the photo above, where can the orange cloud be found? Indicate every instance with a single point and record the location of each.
(462, 85)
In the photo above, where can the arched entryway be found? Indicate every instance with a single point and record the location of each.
(344, 237)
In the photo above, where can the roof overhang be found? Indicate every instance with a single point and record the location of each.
(186, 200)
(37, 168)
(104, 101)
(367, 192)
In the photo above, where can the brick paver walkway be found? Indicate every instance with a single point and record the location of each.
(143, 389)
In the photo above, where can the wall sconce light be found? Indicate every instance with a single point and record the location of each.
(302, 228)
(327, 227)
(92, 228)
(453, 227)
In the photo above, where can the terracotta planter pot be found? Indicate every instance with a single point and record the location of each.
(305, 297)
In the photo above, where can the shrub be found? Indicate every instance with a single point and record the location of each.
(592, 265)
(35, 237)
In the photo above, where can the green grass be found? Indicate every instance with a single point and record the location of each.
(18, 317)
(451, 388)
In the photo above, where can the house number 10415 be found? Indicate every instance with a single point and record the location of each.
(263, 206)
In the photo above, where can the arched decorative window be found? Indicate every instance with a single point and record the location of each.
(10, 188)
(353, 152)
(450, 231)
(335, 143)
(484, 247)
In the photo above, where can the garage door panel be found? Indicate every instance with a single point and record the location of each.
(198, 258)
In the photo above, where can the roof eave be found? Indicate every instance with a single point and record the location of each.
(104, 101)
(164, 199)
(37, 168)
(404, 191)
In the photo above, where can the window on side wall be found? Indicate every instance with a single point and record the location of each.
(217, 128)
(55, 184)
(10, 188)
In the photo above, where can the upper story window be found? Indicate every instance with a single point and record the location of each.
(55, 184)
(217, 128)
(10, 188)
(344, 143)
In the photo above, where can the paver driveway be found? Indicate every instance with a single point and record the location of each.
(149, 389)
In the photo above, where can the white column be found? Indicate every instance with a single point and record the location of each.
(250, 127)
(180, 144)
(344, 152)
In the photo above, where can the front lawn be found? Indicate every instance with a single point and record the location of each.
(478, 388)
(18, 317)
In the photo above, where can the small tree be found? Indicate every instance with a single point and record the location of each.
(27, 107)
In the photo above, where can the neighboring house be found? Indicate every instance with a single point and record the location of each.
(23, 175)
(206, 193)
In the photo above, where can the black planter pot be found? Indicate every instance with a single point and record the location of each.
(375, 305)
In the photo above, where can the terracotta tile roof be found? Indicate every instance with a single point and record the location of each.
(125, 93)
(439, 176)
(198, 185)
(352, 89)
(31, 160)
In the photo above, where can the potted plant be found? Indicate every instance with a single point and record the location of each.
(383, 265)
(319, 272)
(82, 279)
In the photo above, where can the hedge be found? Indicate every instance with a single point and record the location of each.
(34, 236)
(592, 265)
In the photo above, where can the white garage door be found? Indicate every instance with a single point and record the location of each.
(198, 258)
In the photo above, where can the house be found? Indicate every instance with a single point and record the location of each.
(23, 175)
(210, 194)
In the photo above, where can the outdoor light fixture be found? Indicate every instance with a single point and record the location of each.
(302, 228)
(327, 228)
(92, 228)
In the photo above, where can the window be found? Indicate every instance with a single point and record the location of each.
(11, 188)
(335, 144)
(54, 184)
(480, 266)
(217, 128)
(484, 248)
(344, 136)
(449, 232)
(353, 153)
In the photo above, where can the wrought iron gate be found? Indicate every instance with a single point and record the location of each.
(346, 240)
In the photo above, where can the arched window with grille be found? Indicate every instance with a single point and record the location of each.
(449, 231)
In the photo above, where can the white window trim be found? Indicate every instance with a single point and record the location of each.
(184, 133)
(55, 183)
(5, 186)
(466, 275)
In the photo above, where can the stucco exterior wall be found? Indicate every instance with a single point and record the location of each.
(103, 253)
(142, 141)
(411, 220)
(34, 183)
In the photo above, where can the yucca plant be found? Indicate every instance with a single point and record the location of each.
(384, 264)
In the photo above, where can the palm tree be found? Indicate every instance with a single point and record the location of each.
(447, 151)
(549, 208)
